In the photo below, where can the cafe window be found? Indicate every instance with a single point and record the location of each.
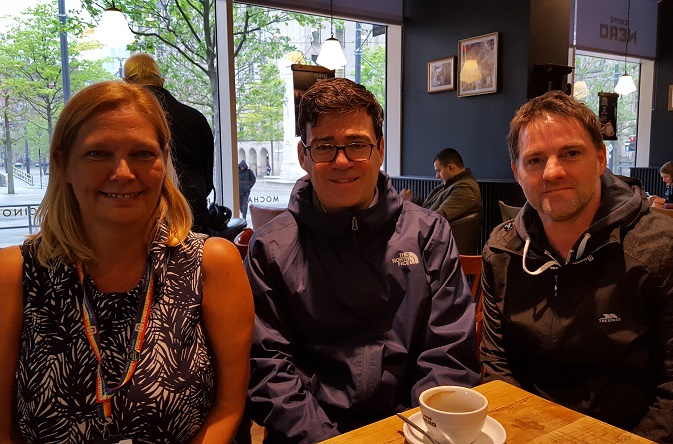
(265, 120)
(594, 74)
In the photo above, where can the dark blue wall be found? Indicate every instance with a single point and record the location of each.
(661, 142)
(474, 125)
(477, 125)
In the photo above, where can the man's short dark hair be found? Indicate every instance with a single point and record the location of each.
(553, 103)
(449, 155)
(337, 95)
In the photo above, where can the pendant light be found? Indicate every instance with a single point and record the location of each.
(580, 90)
(331, 56)
(625, 85)
(113, 30)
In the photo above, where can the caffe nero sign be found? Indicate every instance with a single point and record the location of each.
(607, 25)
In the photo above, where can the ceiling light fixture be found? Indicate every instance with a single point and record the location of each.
(331, 55)
(113, 29)
(580, 90)
(625, 85)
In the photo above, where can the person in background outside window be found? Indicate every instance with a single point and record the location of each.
(666, 172)
(578, 289)
(117, 321)
(459, 193)
(192, 143)
(360, 301)
(246, 180)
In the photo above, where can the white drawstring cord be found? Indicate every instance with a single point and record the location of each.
(551, 263)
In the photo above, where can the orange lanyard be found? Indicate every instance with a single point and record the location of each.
(104, 392)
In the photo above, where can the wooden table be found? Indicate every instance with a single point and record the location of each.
(527, 419)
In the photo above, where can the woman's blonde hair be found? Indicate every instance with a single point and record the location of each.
(61, 234)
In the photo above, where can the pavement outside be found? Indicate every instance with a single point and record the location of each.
(17, 215)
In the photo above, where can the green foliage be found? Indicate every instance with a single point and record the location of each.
(181, 35)
(260, 92)
(259, 105)
(373, 71)
(31, 76)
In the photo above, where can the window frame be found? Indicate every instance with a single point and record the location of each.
(226, 154)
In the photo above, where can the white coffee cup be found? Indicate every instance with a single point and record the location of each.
(452, 414)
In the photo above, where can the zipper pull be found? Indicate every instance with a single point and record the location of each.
(556, 284)
(354, 223)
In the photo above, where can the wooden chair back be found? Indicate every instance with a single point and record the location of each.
(507, 212)
(261, 214)
(242, 240)
(467, 233)
(472, 267)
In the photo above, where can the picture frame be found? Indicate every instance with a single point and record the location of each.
(478, 65)
(670, 97)
(442, 75)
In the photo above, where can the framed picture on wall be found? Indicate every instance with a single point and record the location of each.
(478, 65)
(441, 75)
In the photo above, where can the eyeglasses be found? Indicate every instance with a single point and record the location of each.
(355, 152)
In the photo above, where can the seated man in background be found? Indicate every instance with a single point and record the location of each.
(459, 193)
(359, 296)
(192, 143)
(578, 289)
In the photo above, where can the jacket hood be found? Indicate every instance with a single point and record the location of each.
(302, 206)
(242, 164)
(623, 202)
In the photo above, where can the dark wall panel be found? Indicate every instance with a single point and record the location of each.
(661, 141)
(492, 191)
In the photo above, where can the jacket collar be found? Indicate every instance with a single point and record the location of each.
(460, 176)
(623, 202)
(304, 209)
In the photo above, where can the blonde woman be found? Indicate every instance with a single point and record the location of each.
(117, 321)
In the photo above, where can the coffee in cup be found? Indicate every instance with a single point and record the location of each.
(452, 414)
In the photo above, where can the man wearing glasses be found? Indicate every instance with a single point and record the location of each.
(359, 297)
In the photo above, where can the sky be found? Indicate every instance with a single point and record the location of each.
(10, 7)
(15, 7)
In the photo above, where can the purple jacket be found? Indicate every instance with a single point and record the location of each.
(356, 314)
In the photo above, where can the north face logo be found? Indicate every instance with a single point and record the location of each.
(407, 258)
(609, 317)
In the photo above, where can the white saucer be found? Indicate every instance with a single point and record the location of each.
(492, 433)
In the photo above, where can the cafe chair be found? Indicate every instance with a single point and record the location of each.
(507, 212)
(242, 240)
(467, 232)
(665, 211)
(261, 214)
(472, 267)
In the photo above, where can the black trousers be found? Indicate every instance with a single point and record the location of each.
(243, 203)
